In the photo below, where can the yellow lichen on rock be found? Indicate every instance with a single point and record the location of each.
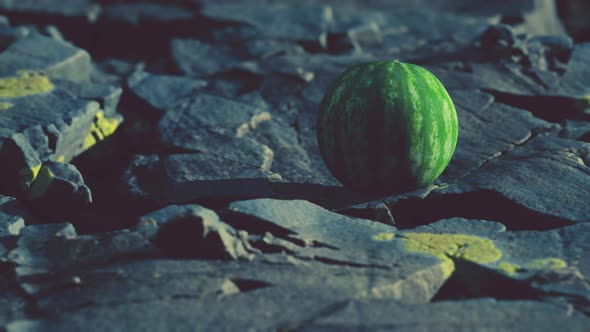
(444, 246)
(509, 268)
(101, 127)
(550, 263)
(28, 175)
(547, 264)
(5, 105)
(24, 84)
(386, 236)
(107, 126)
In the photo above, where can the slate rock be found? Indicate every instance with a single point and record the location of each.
(13, 306)
(10, 224)
(80, 9)
(198, 287)
(484, 314)
(50, 249)
(137, 14)
(59, 60)
(194, 231)
(181, 178)
(107, 96)
(161, 92)
(328, 237)
(545, 264)
(216, 126)
(44, 123)
(299, 23)
(550, 179)
(59, 190)
(487, 129)
(199, 59)
(23, 162)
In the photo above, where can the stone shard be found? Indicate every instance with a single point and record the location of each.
(179, 178)
(86, 10)
(483, 314)
(161, 92)
(107, 96)
(546, 264)
(307, 23)
(59, 190)
(196, 58)
(194, 231)
(10, 224)
(59, 60)
(45, 250)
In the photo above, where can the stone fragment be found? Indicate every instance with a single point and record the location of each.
(44, 250)
(450, 315)
(161, 92)
(199, 59)
(86, 10)
(59, 60)
(302, 23)
(178, 178)
(59, 190)
(193, 231)
(107, 96)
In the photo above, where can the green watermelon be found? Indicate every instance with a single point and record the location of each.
(387, 127)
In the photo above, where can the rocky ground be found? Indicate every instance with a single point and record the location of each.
(160, 170)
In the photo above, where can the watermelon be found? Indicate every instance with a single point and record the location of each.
(387, 127)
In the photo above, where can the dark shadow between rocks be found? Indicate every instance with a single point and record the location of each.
(470, 280)
(247, 285)
(480, 204)
(548, 108)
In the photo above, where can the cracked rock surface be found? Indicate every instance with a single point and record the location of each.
(160, 169)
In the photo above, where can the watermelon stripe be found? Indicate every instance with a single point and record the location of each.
(392, 145)
(438, 129)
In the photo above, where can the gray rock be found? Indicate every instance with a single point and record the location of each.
(47, 126)
(59, 60)
(217, 127)
(193, 231)
(180, 178)
(135, 14)
(107, 96)
(10, 224)
(483, 315)
(486, 130)
(13, 306)
(45, 250)
(87, 10)
(59, 191)
(196, 58)
(303, 23)
(547, 265)
(160, 92)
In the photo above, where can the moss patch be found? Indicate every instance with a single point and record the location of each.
(550, 263)
(101, 128)
(5, 105)
(444, 246)
(386, 236)
(24, 84)
(509, 268)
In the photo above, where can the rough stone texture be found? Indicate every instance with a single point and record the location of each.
(193, 231)
(211, 208)
(58, 190)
